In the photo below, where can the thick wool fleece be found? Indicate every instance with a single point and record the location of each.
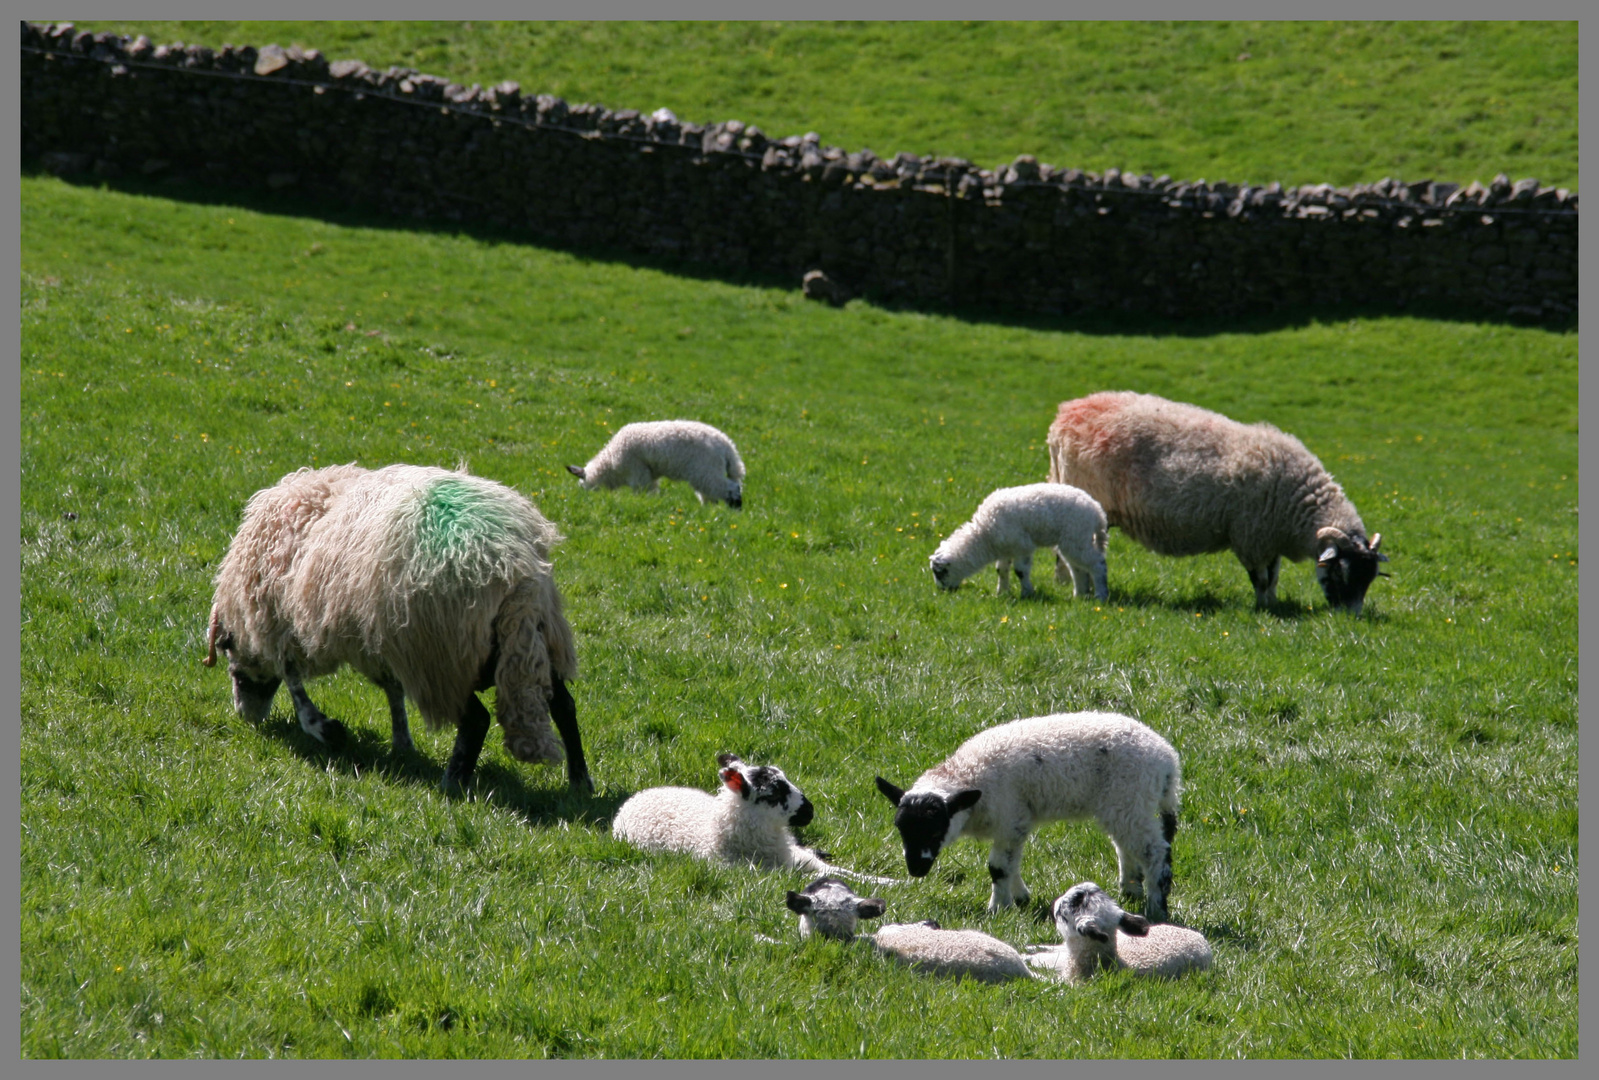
(720, 828)
(641, 454)
(411, 572)
(950, 952)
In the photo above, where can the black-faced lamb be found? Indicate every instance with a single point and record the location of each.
(1011, 522)
(1099, 936)
(1003, 782)
(831, 909)
(1182, 480)
(433, 584)
(640, 455)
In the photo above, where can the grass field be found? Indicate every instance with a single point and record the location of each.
(1379, 833)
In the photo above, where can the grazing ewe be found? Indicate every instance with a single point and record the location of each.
(1182, 480)
(831, 908)
(747, 820)
(1012, 522)
(1003, 782)
(1100, 936)
(433, 584)
(640, 454)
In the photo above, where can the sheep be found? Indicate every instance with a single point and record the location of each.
(1182, 480)
(1013, 521)
(831, 909)
(1002, 782)
(1100, 936)
(433, 584)
(640, 454)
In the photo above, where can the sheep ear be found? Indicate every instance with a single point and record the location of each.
(798, 903)
(1134, 925)
(964, 800)
(871, 908)
(735, 781)
(724, 760)
(575, 470)
(1328, 557)
(890, 792)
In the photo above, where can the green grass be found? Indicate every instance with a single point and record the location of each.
(1342, 102)
(1379, 828)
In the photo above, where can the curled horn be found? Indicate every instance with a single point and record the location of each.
(1376, 538)
(211, 641)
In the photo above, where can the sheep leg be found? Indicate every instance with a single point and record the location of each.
(1090, 578)
(1063, 572)
(563, 710)
(1003, 566)
(1264, 579)
(321, 727)
(399, 727)
(1024, 573)
(1129, 869)
(470, 731)
(1005, 871)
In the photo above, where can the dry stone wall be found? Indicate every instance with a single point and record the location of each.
(1026, 237)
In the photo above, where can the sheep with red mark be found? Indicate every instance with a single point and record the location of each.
(1182, 480)
(433, 584)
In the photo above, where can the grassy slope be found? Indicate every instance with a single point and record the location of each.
(1379, 826)
(1450, 101)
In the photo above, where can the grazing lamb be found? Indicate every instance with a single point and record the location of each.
(747, 820)
(1100, 936)
(832, 909)
(1012, 522)
(1001, 783)
(640, 454)
(1182, 480)
(433, 584)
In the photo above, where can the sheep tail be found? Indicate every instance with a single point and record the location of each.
(523, 675)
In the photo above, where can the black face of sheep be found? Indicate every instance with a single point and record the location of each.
(1346, 568)
(923, 820)
(940, 572)
(767, 785)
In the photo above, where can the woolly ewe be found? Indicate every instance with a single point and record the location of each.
(1012, 522)
(433, 584)
(1001, 783)
(1100, 936)
(1182, 480)
(639, 455)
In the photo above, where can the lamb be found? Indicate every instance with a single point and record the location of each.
(640, 454)
(747, 820)
(831, 909)
(1002, 782)
(433, 584)
(1013, 521)
(1100, 936)
(1182, 480)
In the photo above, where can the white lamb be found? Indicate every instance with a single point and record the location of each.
(1182, 480)
(1100, 936)
(1012, 522)
(747, 820)
(1001, 783)
(832, 910)
(639, 455)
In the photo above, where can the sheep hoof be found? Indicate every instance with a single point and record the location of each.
(453, 785)
(334, 735)
(582, 785)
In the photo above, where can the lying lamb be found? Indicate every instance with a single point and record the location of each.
(831, 909)
(1012, 522)
(1182, 480)
(1001, 783)
(1100, 936)
(433, 584)
(747, 820)
(640, 454)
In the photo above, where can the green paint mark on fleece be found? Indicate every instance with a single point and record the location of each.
(456, 519)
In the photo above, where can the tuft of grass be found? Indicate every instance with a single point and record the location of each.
(1379, 832)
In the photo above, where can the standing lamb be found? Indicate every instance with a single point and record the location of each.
(1182, 480)
(1100, 936)
(640, 454)
(1001, 783)
(1012, 522)
(747, 820)
(832, 909)
(433, 584)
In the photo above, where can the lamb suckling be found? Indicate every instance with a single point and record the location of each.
(1003, 782)
(832, 910)
(1012, 522)
(1099, 936)
(641, 454)
(433, 584)
(1182, 480)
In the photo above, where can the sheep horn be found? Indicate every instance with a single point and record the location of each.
(211, 653)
